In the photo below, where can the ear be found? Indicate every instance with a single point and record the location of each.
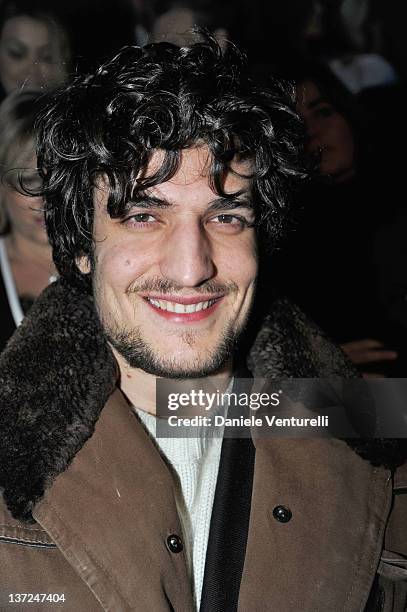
(83, 264)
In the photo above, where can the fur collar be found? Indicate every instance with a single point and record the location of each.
(58, 371)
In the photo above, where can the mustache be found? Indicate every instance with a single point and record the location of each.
(165, 286)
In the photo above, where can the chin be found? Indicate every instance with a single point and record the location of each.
(201, 362)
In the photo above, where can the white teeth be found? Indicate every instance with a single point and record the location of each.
(180, 308)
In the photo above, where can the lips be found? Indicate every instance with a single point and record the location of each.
(185, 310)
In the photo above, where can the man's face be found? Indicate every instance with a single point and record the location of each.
(174, 280)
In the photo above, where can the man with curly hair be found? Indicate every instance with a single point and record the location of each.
(165, 177)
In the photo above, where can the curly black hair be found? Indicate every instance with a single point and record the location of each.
(163, 97)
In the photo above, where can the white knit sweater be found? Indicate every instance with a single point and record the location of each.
(194, 462)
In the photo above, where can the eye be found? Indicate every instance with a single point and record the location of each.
(16, 54)
(139, 220)
(324, 111)
(228, 222)
(228, 219)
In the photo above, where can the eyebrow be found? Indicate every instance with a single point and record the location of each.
(221, 203)
(231, 203)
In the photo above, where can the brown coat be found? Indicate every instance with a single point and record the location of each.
(100, 529)
(111, 511)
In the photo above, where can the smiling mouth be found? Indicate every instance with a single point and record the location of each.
(178, 308)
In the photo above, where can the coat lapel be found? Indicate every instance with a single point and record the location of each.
(339, 505)
(111, 513)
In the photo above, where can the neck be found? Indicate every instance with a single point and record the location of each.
(140, 387)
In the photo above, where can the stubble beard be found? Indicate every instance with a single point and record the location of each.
(138, 353)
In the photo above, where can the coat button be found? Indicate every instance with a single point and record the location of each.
(174, 543)
(282, 514)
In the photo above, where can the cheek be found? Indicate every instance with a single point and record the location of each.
(18, 207)
(239, 264)
(6, 75)
(348, 145)
(4, 61)
(341, 135)
(120, 264)
(10, 68)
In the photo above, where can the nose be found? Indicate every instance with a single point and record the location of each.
(187, 255)
(35, 75)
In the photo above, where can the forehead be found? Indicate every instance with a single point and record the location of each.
(194, 170)
(26, 30)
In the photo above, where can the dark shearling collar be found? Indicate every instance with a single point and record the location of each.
(58, 371)
(56, 375)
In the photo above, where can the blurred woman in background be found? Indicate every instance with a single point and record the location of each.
(329, 270)
(25, 256)
(175, 20)
(34, 48)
